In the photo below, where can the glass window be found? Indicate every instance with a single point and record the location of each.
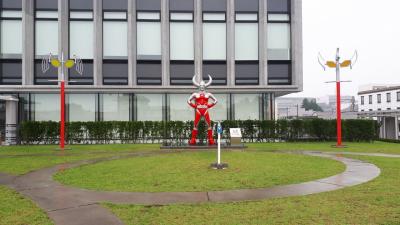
(11, 71)
(247, 106)
(46, 33)
(148, 36)
(11, 34)
(370, 99)
(362, 100)
(81, 34)
(220, 111)
(115, 107)
(114, 15)
(278, 6)
(181, 40)
(246, 41)
(149, 107)
(182, 16)
(148, 16)
(388, 97)
(82, 107)
(279, 72)
(278, 17)
(398, 96)
(115, 38)
(214, 36)
(46, 107)
(278, 41)
(379, 98)
(246, 17)
(81, 15)
(179, 109)
(214, 17)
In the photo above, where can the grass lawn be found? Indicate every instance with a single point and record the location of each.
(377, 202)
(191, 172)
(24, 164)
(16, 210)
(375, 147)
(76, 149)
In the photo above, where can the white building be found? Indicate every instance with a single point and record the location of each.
(382, 103)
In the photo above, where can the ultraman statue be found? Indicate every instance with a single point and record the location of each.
(199, 101)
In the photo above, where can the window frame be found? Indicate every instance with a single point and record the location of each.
(379, 98)
(181, 21)
(289, 21)
(115, 20)
(258, 35)
(11, 56)
(224, 21)
(370, 99)
(43, 19)
(388, 97)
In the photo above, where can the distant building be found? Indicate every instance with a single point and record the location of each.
(291, 108)
(383, 104)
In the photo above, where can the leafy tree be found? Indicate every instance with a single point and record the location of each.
(311, 105)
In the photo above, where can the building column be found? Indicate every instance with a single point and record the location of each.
(297, 43)
(263, 42)
(230, 43)
(165, 74)
(28, 35)
(396, 127)
(131, 43)
(381, 128)
(63, 34)
(198, 40)
(98, 43)
(384, 127)
(11, 121)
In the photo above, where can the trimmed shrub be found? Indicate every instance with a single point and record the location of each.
(34, 132)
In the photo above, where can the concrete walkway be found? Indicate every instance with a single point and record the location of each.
(74, 206)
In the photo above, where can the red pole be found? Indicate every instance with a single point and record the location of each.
(62, 120)
(339, 115)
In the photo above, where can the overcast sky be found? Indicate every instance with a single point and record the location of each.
(370, 26)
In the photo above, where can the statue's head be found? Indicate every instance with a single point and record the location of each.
(202, 85)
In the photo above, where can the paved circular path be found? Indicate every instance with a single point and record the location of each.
(74, 206)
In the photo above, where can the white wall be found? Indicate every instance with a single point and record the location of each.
(384, 105)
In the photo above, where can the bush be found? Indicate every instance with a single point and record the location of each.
(32, 132)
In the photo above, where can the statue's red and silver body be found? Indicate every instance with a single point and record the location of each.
(201, 102)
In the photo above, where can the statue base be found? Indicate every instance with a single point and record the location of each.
(220, 166)
(185, 146)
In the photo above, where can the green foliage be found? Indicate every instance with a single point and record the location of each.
(311, 105)
(106, 132)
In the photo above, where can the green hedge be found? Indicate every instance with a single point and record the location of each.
(32, 132)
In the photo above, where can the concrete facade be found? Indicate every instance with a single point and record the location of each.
(265, 91)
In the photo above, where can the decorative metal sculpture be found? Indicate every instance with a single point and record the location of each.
(55, 62)
(338, 65)
(200, 102)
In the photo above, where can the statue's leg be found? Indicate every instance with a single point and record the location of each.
(209, 130)
(195, 131)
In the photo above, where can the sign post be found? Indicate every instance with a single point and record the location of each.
(219, 165)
